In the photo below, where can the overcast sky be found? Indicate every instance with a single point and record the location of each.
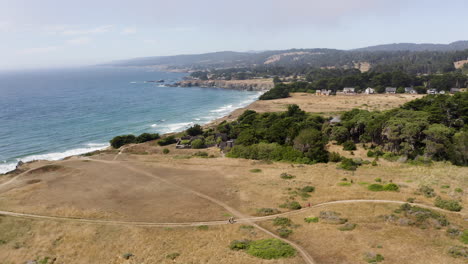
(54, 33)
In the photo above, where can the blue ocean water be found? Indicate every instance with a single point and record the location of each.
(52, 114)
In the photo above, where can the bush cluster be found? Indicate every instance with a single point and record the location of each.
(120, 141)
(271, 249)
(450, 205)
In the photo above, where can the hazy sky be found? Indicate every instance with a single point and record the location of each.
(51, 33)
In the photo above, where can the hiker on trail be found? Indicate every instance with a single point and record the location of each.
(231, 220)
(308, 204)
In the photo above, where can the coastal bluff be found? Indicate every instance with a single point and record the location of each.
(244, 85)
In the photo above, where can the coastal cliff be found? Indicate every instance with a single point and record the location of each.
(245, 85)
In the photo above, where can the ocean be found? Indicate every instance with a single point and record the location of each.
(53, 114)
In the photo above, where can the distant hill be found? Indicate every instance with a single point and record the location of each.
(403, 55)
(455, 46)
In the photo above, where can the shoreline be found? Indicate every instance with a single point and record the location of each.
(211, 123)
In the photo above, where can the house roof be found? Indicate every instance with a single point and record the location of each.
(390, 89)
(348, 89)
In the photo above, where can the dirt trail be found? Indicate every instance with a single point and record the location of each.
(241, 218)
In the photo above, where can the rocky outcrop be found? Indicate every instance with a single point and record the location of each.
(245, 85)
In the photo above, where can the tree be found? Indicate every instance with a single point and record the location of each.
(195, 130)
(311, 142)
(119, 141)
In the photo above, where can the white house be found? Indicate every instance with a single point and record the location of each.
(410, 90)
(349, 90)
(390, 90)
(369, 90)
(431, 91)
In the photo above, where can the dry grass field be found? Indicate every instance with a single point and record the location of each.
(141, 184)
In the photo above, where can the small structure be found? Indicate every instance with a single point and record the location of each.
(390, 90)
(410, 90)
(442, 92)
(323, 92)
(369, 90)
(431, 91)
(335, 120)
(349, 90)
(226, 144)
(454, 90)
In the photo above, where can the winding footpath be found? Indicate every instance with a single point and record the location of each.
(240, 217)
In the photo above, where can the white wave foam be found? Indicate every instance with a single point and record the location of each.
(154, 125)
(223, 109)
(6, 167)
(197, 119)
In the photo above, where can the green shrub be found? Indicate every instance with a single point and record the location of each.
(119, 141)
(166, 151)
(426, 191)
(145, 137)
(347, 227)
(185, 142)
(374, 163)
(349, 145)
(373, 258)
(458, 251)
(375, 187)
(410, 200)
(464, 237)
(167, 141)
(284, 232)
(202, 154)
(202, 227)
(450, 205)
(346, 184)
(390, 156)
(255, 170)
(392, 187)
(334, 157)
(198, 143)
(308, 189)
(311, 219)
(282, 221)
(267, 211)
(291, 205)
(458, 190)
(239, 244)
(348, 164)
(378, 180)
(287, 176)
(271, 249)
(194, 130)
(445, 186)
(172, 256)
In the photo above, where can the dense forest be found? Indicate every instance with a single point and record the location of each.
(335, 80)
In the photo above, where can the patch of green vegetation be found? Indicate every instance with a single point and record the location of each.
(255, 170)
(450, 205)
(348, 164)
(464, 237)
(311, 219)
(282, 221)
(426, 191)
(347, 227)
(421, 215)
(445, 186)
(390, 156)
(378, 180)
(347, 184)
(410, 200)
(363, 183)
(246, 227)
(179, 157)
(334, 157)
(167, 141)
(308, 189)
(287, 176)
(203, 227)
(239, 244)
(166, 151)
(291, 205)
(284, 232)
(173, 256)
(349, 145)
(391, 187)
(201, 154)
(198, 143)
(458, 190)
(271, 249)
(267, 211)
(458, 251)
(373, 258)
(120, 141)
